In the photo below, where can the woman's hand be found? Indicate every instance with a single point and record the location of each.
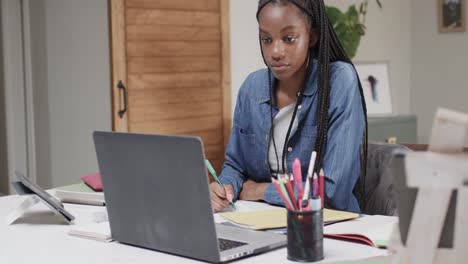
(253, 191)
(220, 197)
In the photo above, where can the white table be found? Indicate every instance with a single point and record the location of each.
(38, 237)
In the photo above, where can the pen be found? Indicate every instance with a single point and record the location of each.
(310, 171)
(313, 156)
(213, 173)
(305, 199)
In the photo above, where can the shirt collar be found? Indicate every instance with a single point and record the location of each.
(311, 84)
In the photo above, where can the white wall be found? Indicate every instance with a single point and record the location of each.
(3, 146)
(13, 81)
(40, 92)
(71, 74)
(439, 67)
(388, 38)
(245, 51)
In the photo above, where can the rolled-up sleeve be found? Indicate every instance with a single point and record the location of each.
(233, 171)
(345, 133)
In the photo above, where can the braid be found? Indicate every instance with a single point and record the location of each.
(339, 52)
(323, 86)
(329, 49)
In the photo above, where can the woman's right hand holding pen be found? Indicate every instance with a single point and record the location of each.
(220, 197)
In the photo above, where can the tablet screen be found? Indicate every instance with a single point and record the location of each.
(24, 186)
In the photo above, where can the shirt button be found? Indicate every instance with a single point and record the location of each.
(290, 149)
(299, 106)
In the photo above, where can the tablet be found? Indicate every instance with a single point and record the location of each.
(24, 186)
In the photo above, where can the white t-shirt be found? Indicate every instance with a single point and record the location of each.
(281, 124)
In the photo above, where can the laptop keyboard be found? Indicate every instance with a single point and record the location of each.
(225, 244)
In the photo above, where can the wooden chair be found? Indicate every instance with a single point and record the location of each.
(436, 173)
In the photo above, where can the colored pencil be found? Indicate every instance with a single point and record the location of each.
(297, 174)
(322, 187)
(290, 191)
(282, 195)
(316, 185)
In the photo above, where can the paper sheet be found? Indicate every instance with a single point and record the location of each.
(249, 206)
(375, 260)
(97, 231)
(276, 218)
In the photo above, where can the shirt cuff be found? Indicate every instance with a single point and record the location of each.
(229, 179)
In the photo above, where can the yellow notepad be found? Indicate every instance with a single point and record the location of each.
(276, 218)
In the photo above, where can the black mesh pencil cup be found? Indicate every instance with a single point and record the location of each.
(305, 235)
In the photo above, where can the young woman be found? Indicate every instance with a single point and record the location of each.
(309, 98)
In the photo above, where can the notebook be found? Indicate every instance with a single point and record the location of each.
(94, 181)
(372, 230)
(276, 218)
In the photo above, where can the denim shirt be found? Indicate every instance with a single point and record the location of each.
(246, 154)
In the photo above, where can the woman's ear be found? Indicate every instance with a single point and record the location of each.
(313, 38)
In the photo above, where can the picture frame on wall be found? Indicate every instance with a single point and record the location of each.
(375, 83)
(451, 15)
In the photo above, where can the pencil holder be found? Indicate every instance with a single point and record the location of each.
(305, 235)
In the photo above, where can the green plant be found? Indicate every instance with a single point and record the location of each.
(350, 25)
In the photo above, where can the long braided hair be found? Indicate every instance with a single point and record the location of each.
(327, 50)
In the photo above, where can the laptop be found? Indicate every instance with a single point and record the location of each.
(406, 198)
(157, 196)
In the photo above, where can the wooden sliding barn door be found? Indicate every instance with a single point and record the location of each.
(170, 69)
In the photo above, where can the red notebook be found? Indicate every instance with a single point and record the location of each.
(352, 238)
(94, 181)
(372, 230)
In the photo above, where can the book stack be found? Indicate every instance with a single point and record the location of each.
(80, 193)
(87, 192)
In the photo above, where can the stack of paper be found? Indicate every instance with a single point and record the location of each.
(276, 218)
(97, 231)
